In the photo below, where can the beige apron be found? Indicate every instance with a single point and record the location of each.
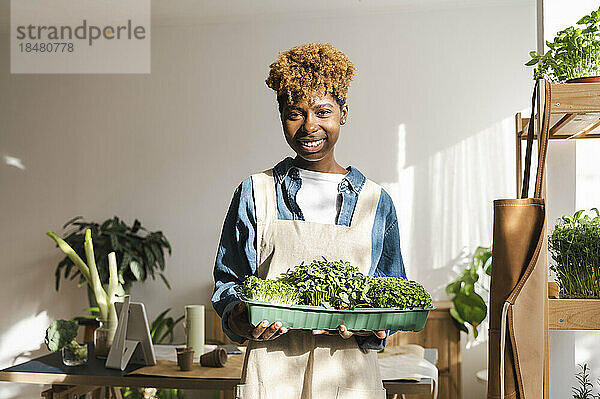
(299, 365)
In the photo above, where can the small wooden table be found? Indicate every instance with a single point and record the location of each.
(49, 369)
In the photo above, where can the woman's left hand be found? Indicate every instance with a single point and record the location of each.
(345, 333)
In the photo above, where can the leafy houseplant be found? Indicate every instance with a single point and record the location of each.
(469, 307)
(140, 253)
(575, 248)
(574, 52)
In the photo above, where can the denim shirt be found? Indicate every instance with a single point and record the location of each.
(236, 256)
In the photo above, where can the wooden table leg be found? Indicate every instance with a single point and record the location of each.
(97, 394)
(68, 391)
(116, 392)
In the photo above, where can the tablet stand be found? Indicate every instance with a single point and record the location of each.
(132, 342)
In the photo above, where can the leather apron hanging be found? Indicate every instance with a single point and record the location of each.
(518, 285)
(299, 365)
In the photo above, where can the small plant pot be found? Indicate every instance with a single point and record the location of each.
(215, 358)
(179, 350)
(74, 355)
(586, 79)
(185, 359)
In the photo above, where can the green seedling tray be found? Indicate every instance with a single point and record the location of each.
(316, 317)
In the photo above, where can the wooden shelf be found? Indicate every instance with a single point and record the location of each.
(574, 314)
(574, 112)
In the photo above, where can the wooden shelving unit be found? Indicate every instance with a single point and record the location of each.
(574, 115)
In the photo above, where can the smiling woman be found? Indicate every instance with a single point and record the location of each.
(303, 209)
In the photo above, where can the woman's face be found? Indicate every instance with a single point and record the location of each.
(312, 127)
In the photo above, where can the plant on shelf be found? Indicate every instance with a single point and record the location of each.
(105, 299)
(140, 253)
(469, 307)
(575, 248)
(574, 52)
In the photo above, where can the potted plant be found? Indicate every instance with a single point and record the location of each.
(574, 54)
(140, 253)
(575, 248)
(105, 299)
(60, 336)
(469, 307)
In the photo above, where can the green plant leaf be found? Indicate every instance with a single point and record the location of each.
(471, 308)
(164, 279)
(71, 221)
(453, 287)
(137, 270)
(460, 323)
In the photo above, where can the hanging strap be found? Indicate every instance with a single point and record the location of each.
(543, 143)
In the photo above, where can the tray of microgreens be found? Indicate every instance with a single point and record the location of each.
(325, 295)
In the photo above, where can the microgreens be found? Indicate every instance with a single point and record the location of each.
(575, 248)
(337, 285)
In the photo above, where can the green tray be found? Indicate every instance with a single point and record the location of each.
(316, 317)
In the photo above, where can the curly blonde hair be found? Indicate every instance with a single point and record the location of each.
(308, 70)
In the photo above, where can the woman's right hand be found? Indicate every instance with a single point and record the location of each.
(239, 324)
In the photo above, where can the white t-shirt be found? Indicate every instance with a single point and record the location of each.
(318, 197)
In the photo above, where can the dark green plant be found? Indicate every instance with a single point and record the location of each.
(574, 52)
(140, 253)
(575, 248)
(585, 388)
(469, 307)
(162, 328)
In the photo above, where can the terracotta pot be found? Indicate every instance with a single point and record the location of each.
(586, 79)
(216, 358)
(185, 359)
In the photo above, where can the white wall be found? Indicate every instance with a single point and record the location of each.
(431, 118)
